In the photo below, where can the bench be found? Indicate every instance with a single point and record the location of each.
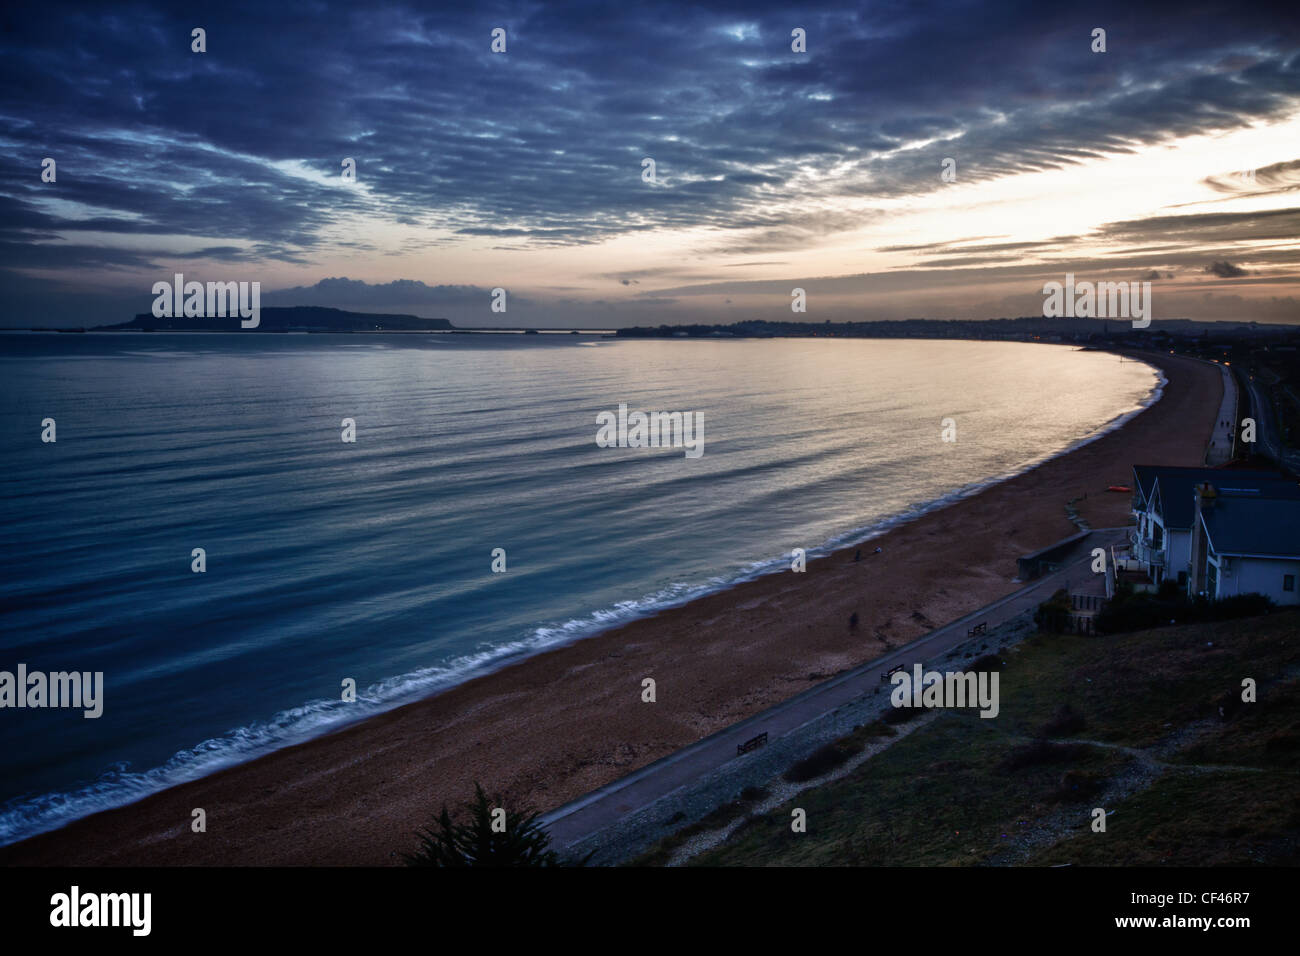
(978, 629)
(884, 678)
(753, 743)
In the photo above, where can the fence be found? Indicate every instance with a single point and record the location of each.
(1087, 602)
(1080, 624)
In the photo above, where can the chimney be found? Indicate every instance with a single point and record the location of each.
(1205, 496)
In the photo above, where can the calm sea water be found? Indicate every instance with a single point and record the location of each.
(372, 560)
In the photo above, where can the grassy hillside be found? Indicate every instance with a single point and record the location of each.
(1129, 723)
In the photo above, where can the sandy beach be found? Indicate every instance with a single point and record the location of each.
(550, 728)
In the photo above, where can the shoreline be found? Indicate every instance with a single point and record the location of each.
(60, 808)
(356, 795)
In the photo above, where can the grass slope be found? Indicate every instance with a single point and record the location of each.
(1130, 723)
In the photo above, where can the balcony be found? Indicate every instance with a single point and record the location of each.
(1146, 553)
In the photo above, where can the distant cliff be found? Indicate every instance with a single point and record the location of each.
(295, 319)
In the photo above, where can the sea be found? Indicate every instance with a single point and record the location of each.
(473, 520)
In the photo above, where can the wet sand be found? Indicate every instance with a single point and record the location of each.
(550, 728)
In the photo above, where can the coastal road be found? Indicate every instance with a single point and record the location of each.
(603, 807)
(1267, 431)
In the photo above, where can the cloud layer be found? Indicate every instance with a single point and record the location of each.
(233, 156)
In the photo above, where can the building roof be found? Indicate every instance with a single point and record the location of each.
(1175, 487)
(1278, 488)
(1145, 475)
(1257, 527)
(1144, 478)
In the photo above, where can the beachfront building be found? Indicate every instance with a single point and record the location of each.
(1164, 507)
(1245, 544)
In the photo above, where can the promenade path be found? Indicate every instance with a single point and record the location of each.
(1219, 450)
(604, 807)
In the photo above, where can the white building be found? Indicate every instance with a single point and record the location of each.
(1165, 507)
(1163, 504)
(1246, 545)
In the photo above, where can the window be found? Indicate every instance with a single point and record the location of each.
(1288, 582)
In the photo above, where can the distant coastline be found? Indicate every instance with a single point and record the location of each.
(307, 320)
(292, 319)
(1086, 332)
(1181, 334)
(1103, 333)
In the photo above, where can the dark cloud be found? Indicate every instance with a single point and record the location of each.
(965, 260)
(1200, 228)
(1225, 270)
(976, 272)
(935, 246)
(345, 293)
(1277, 178)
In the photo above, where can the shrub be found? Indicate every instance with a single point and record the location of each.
(1079, 785)
(521, 842)
(1064, 722)
(1239, 605)
(1282, 741)
(1054, 613)
(1040, 752)
(822, 760)
(901, 715)
(1228, 703)
(877, 728)
(1144, 611)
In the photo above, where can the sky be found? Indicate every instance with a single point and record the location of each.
(914, 160)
